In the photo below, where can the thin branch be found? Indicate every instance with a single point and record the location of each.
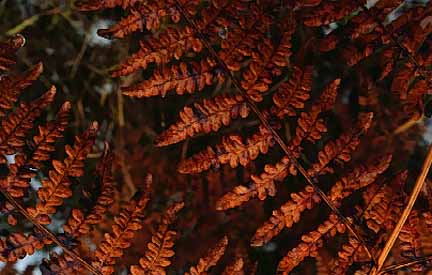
(311, 180)
(398, 266)
(413, 197)
(48, 233)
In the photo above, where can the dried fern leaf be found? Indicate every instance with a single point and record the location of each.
(310, 244)
(183, 78)
(56, 187)
(17, 245)
(172, 43)
(79, 223)
(267, 63)
(236, 268)
(291, 95)
(89, 5)
(12, 86)
(42, 145)
(8, 50)
(341, 149)
(213, 255)
(290, 212)
(350, 252)
(409, 239)
(327, 12)
(384, 205)
(232, 150)
(210, 115)
(17, 124)
(160, 249)
(309, 127)
(126, 224)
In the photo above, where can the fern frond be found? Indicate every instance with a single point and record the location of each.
(12, 86)
(16, 125)
(126, 223)
(310, 244)
(183, 78)
(290, 212)
(160, 249)
(17, 245)
(384, 205)
(267, 63)
(350, 252)
(232, 150)
(42, 146)
(56, 187)
(409, 237)
(291, 95)
(127, 25)
(89, 5)
(210, 115)
(172, 43)
(236, 268)
(8, 50)
(309, 127)
(79, 223)
(327, 12)
(341, 149)
(213, 255)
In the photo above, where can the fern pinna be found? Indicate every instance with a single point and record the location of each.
(26, 149)
(264, 62)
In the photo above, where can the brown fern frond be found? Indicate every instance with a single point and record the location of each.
(183, 78)
(213, 255)
(232, 150)
(17, 245)
(173, 43)
(210, 115)
(290, 212)
(16, 125)
(267, 63)
(42, 146)
(160, 249)
(401, 80)
(310, 244)
(341, 149)
(79, 223)
(127, 25)
(384, 205)
(409, 237)
(126, 223)
(235, 268)
(292, 94)
(323, 263)
(309, 127)
(8, 50)
(350, 252)
(56, 187)
(89, 5)
(327, 12)
(12, 86)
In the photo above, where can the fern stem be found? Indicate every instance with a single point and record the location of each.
(413, 197)
(311, 180)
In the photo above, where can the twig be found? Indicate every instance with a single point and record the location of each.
(31, 21)
(413, 197)
(48, 233)
(80, 55)
(398, 266)
(310, 179)
(407, 125)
